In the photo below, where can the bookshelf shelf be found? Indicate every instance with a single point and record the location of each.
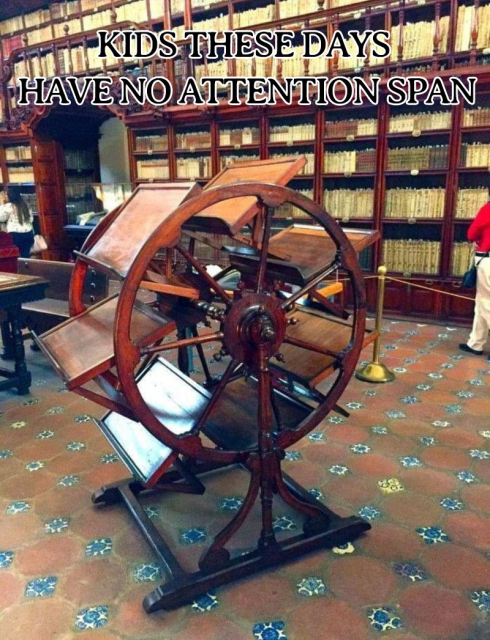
(415, 221)
(421, 134)
(345, 139)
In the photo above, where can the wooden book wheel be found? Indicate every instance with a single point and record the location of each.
(162, 418)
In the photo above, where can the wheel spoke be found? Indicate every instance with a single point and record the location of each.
(216, 395)
(186, 342)
(307, 288)
(202, 271)
(264, 249)
(309, 346)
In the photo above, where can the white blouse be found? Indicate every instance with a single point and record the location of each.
(8, 215)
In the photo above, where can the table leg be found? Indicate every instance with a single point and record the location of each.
(22, 374)
(8, 348)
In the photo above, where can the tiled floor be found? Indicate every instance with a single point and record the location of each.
(413, 458)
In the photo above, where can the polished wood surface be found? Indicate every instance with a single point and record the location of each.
(231, 218)
(93, 331)
(313, 249)
(136, 220)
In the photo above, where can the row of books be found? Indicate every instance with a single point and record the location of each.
(194, 167)
(292, 133)
(153, 169)
(418, 39)
(288, 210)
(462, 258)
(79, 188)
(360, 160)
(350, 127)
(194, 140)
(21, 175)
(476, 154)
(218, 23)
(467, 26)
(412, 256)
(79, 159)
(479, 117)
(470, 201)
(230, 137)
(151, 143)
(416, 158)
(227, 159)
(349, 203)
(413, 122)
(308, 169)
(415, 203)
(17, 153)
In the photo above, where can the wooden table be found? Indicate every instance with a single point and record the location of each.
(15, 290)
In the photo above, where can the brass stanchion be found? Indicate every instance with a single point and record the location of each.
(376, 371)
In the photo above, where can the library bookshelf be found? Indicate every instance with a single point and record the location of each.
(418, 174)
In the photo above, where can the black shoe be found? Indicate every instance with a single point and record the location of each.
(465, 347)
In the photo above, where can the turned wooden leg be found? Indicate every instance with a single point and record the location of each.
(22, 374)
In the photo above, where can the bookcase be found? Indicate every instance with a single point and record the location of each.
(17, 172)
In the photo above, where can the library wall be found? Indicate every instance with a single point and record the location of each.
(113, 152)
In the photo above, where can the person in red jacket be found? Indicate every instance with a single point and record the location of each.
(479, 234)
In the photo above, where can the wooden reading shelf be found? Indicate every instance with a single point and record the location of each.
(148, 207)
(178, 402)
(313, 250)
(93, 331)
(229, 218)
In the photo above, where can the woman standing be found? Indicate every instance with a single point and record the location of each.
(479, 234)
(18, 222)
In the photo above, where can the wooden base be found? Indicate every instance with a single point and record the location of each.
(328, 530)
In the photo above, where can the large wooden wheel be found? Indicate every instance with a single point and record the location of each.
(253, 323)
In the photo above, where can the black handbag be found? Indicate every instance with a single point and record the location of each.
(469, 278)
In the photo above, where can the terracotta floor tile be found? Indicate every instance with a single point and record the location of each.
(94, 581)
(328, 618)
(457, 567)
(51, 555)
(469, 529)
(362, 581)
(43, 618)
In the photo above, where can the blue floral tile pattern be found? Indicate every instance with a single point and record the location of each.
(436, 375)
(390, 485)
(316, 493)
(19, 506)
(336, 419)
(477, 382)
(55, 410)
(384, 619)
(5, 453)
(269, 630)
(432, 535)
(427, 441)
(152, 511)
(283, 523)
(380, 431)
(423, 387)
(18, 425)
(195, 535)
(56, 525)
(466, 476)
(400, 370)
(100, 547)
(76, 446)
(410, 461)
(292, 456)
(69, 481)
(6, 559)
(479, 454)
(35, 466)
(360, 448)
(231, 504)
(485, 433)
(41, 587)
(45, 435)
(109, 458)
(316, 436)
(465, 394)
(410, 400)
(82, 418)
(92, 618)
(207, 602)
(441, 423)
(482, 599)
(411, 572)
(30, 402)
(395, 414)
(147, 572)
(339, 470)
(370, 393)
(370, 513)
(453, 408)
(311, 586)
(451, 504)
(353, 406)
(342, 549)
